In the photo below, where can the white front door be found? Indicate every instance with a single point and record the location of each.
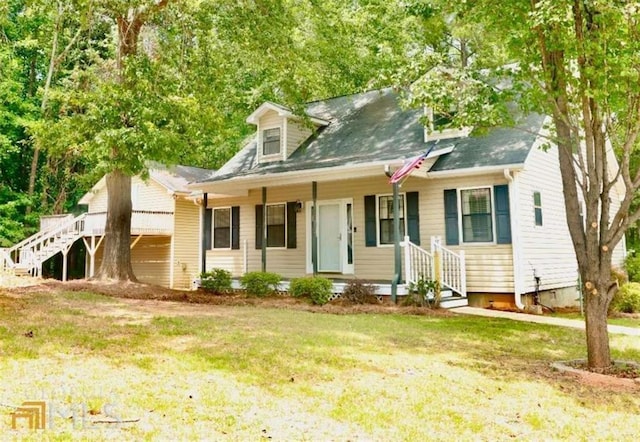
(334, 231)
(329, 238)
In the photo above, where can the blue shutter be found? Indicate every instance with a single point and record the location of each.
(291, 225)
(503, 218)
(413, 217)
(259, 213)
(235, 227)
(370, 239)
(451, 217)
(208, 213)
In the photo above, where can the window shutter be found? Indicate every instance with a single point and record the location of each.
(370, 221)
(235, 227)
(208, 214)
(259, 214)
(413, 217)
(451, 216)
(291, 225)
(503, 218)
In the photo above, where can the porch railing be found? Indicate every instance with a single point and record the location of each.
(142, 222)
(440, 264)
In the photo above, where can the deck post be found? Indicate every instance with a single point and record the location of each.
(92, 257)
(314, 227)
(264, 229)
(65, 253)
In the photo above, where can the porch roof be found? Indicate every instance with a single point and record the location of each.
(372, 129)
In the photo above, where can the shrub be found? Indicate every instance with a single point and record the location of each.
(317, 288)
(632, 266)
(360, 292)
(627, 299)
(424, 293)
(217, 281)
(260, 283)
(619, 275)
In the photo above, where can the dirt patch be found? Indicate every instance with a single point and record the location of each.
(622, 376)
(138, 291)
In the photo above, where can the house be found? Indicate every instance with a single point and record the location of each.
(310, 194)
(165, 248)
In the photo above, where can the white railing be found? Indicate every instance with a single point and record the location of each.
(32, 252)
(6, 262)
(452, 267)
(418, 263)
(440, 264)
(142, 222)
(50, 222)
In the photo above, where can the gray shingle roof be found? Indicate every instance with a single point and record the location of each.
(176, 178)
(372, 127)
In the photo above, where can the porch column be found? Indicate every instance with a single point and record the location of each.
(397, 258)
(264, 229)
(65, 253)
(203, 244)
(314, 228)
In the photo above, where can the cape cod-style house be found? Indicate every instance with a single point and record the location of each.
(310, 194)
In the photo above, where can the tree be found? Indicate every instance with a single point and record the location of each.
(579, 62)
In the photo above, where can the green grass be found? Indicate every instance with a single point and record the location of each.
(626, 322)
(248, 373)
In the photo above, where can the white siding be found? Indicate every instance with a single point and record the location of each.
(297, 133)
(149, 196)
(546, 250)
(186, 243)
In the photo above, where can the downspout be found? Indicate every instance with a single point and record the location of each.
(397, 257)
(514, 196)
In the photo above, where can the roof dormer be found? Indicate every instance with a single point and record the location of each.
(437, 126)
(279, 131)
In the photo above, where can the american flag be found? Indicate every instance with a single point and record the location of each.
(409, 166)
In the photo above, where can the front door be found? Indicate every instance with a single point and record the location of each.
(329, 238)
(334, 232)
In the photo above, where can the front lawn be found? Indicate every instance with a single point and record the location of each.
(194, 372)
(620, 319)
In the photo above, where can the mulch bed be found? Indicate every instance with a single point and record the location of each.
(132, 290)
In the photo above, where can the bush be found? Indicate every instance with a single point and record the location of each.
(424, 293)
(360, 292)
(317, 288)
(627, 299)
(260, 283)
(217, 281)
(632, 266)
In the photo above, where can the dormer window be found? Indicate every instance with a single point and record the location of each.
(271, 141)
(438, 125)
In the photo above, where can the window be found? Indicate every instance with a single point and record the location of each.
(476, 215)
(276, 223)
(271, 141)
(385, 218)
(441, 121)
(537, 208)
(222, 228)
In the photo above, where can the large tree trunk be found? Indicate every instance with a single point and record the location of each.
(598, 352)
(116, 259)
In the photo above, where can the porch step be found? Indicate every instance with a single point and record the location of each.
(453, 302)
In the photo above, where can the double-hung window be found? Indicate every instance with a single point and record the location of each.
(271, 141)
(222, 228)
(476, 215)
(276, 225)
(385, 218)
(537, 208)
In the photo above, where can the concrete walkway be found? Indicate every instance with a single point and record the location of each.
(550, 320)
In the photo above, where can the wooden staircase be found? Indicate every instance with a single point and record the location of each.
(27, 256)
